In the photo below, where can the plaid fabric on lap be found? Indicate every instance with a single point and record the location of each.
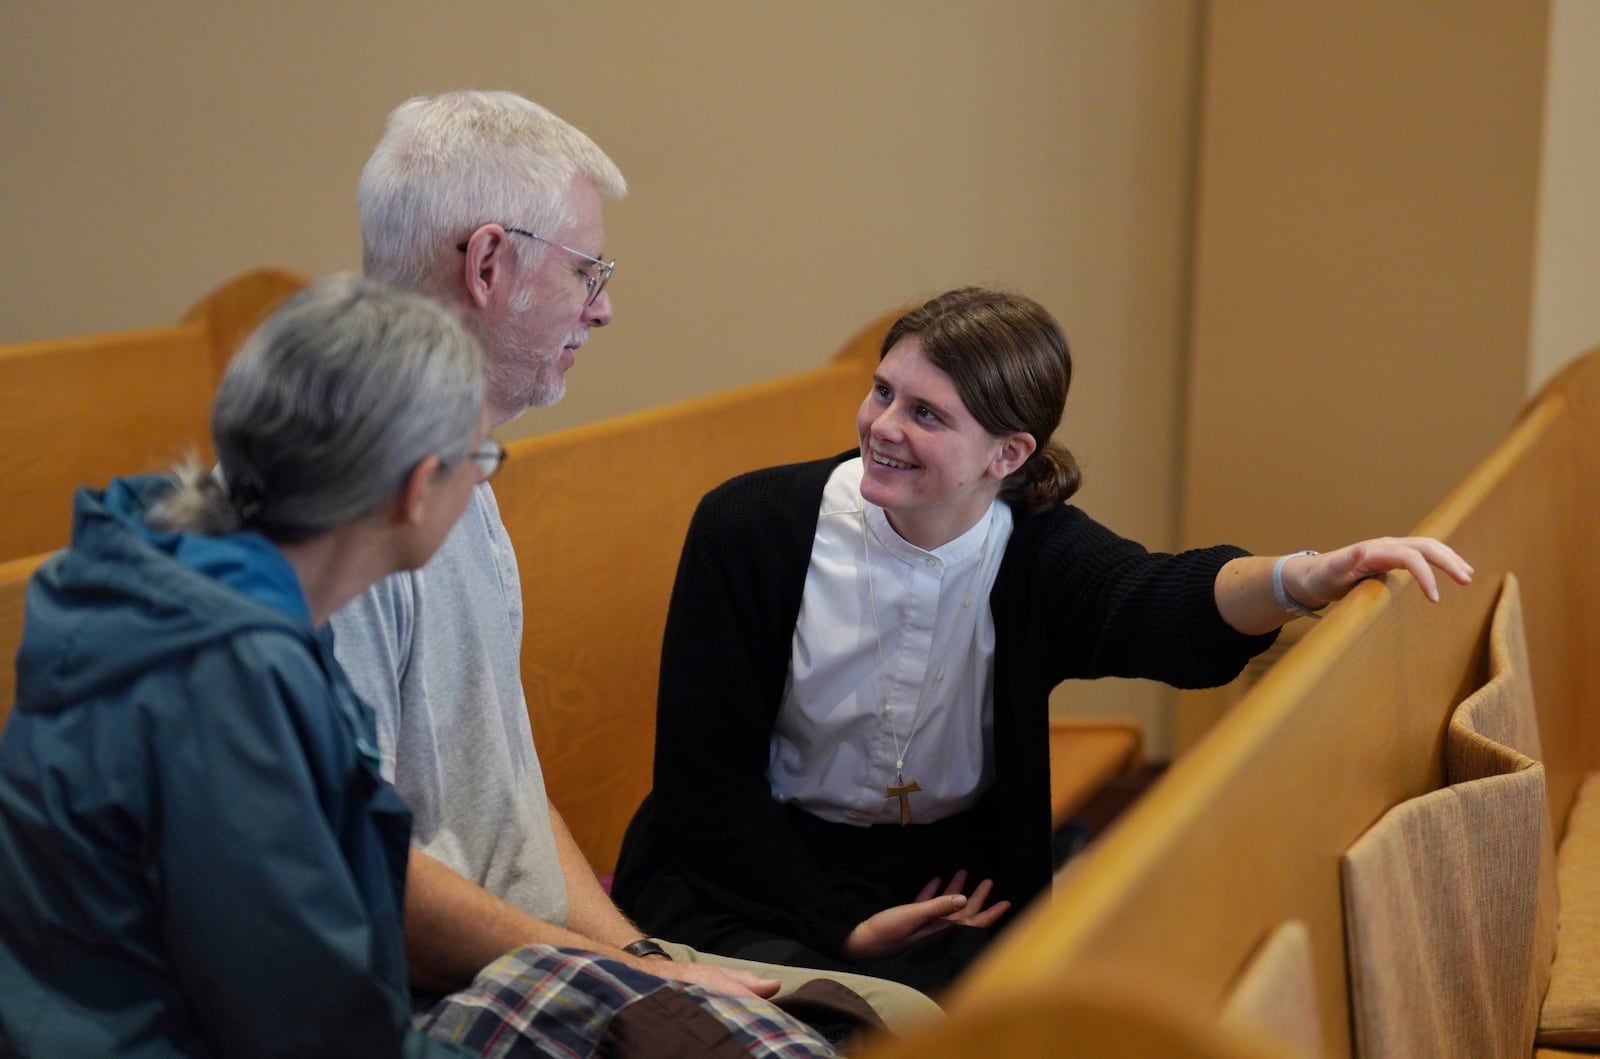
(544, 1001)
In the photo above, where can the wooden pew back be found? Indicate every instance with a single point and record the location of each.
(83, 410)
(13, 590)
(1246, 831)
(229, 313)
(597, 515)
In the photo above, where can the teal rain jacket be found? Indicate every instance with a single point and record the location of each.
(197, 854)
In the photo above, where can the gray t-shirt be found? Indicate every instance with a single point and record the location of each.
(436, 652)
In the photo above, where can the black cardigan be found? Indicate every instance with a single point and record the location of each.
(1071, 600)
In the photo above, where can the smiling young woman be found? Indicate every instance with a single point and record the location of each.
(926, 460)
(851, 756)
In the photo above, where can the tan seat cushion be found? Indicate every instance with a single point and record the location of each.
(1275, 995)
(1496, 730)
(1571, 1012)
(1502, 711)
(1439, 919)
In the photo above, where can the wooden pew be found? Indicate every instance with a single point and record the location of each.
(228, 314)
(86, 409)
(13, 587)
(83, 410)
(1243, 833)
(1081, 1019)
(1246, 831)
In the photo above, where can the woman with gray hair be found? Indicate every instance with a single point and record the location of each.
(197, 852)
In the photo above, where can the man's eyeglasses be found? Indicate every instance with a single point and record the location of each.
(595, 279)
(487, 458)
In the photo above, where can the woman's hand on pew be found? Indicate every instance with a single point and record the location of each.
(1256, 594)
(1329, 577)
(895, 929)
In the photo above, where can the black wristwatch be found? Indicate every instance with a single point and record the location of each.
(645, 947)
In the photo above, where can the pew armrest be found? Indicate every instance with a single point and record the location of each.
(1085, 754)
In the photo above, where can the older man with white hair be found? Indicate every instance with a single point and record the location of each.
(491, 205)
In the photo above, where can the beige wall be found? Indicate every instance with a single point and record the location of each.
(1566, 300)
(1375, 192)
(1362, 264)
(795, 170)
(1364, 253)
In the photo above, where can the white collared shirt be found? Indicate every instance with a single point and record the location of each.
(834, 746)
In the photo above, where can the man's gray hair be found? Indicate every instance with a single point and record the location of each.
(327, 408)
(449, 163)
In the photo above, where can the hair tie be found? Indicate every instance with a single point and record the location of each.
(246, 502)
(246, 508)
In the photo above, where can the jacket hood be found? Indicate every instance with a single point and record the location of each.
(124, 597)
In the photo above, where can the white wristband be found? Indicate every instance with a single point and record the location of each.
(1281, 594)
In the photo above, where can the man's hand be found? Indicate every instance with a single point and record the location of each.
(896, 929)
(722, 979)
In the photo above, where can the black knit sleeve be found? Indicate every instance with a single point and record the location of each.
(1098, 604)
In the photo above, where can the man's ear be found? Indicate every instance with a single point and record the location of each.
(488, 258)
(416, 492)
(1013, 453)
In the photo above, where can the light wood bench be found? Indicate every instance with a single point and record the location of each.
(83, 410)
(13, 590)
(1245, 833)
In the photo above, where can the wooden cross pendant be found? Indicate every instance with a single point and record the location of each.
(903, 792)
